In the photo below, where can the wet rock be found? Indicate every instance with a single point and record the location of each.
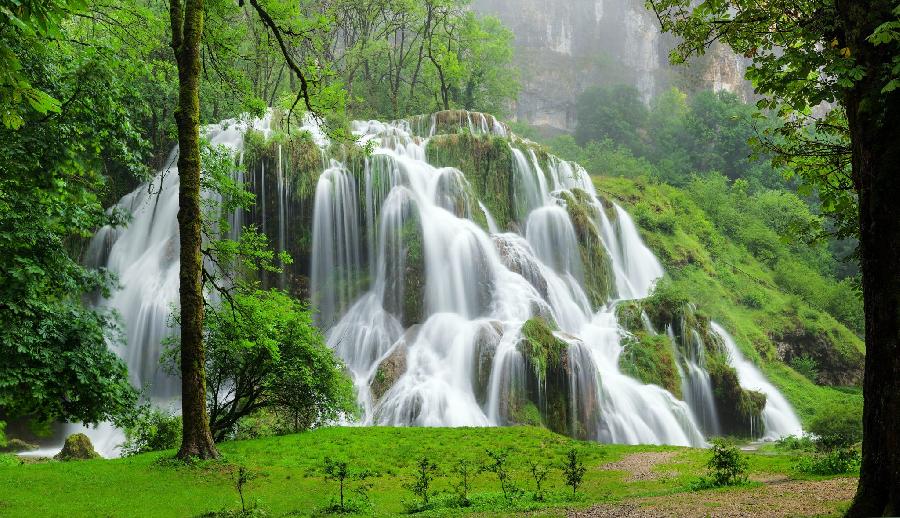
(484, 350)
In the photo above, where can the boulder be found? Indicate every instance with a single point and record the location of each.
(77, 447)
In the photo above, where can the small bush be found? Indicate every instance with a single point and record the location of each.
(423, 476)
(152, 430)
(539, 473)
(807, 366)
(463, 471)
(726, 467)
(497, 464)
(340, 472)
(795, 443)
(573, 470)
(834, 462)
(837, 426)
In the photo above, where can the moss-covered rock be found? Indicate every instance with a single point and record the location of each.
(391, 368)
(456, 121)
(486, 162)
(739, 409)
(77, 447)
(835, 365)
(649, 358)
(599, 279)
(541, 349)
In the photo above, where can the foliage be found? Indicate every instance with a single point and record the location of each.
(421, 482)
(795, 443)
(152, 430)
(838, 461)
(727, 466)
(574, 470)
(464, 470)
(837, 426)
(341, 472)
(498, 464)
(539, 473)
(263, 352)
(806, 365)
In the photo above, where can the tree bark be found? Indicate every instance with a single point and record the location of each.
(187, 29)
(874, 120)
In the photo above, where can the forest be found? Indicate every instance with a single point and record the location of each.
(449, 257)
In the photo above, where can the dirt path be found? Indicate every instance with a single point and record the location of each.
(640, 465)
(778, 498)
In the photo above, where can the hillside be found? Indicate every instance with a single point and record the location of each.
(726, 282)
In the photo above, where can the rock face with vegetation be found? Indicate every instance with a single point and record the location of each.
(77, 447)
(599, 280)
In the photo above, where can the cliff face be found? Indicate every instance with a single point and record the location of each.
(564, 47)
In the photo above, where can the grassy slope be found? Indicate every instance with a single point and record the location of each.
(288, 478)
(721, 277)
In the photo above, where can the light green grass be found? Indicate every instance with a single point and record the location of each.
(288, 474)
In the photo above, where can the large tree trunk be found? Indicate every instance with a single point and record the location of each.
(874, 120)
(187, 30)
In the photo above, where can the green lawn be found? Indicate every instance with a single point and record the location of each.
(288, 476)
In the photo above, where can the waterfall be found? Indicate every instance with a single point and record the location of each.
(778, 415)
(424, 296)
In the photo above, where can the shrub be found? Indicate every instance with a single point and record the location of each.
(807, 366)
(837, 426)
(341, 472)
(497, 464)
(573, 470)
(727, 466)
(795, 443)
(152, 430)
(463, 471)
(539, 473)
(422, 477)
(834, 462)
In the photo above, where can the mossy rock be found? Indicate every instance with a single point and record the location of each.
(486, 162)
(650, 359)
(599, 279)
(629, 315)
(528, 268)
(16, 445)
(541, 349)
(77, 447)
(404, 292)
(391, 368)
(740, 410)
(452, 121)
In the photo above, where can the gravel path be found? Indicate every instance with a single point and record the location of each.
(640, 465)
(781, 498)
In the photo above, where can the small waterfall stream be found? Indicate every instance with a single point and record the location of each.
(403, 274)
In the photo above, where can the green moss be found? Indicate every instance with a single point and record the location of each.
(541, 348)
(526, 414)
(739, 409)
(413, 273)
(77, 447)
(649, 358)
(486, 162)
(599, 280)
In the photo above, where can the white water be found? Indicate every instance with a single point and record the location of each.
(778, 415)
(479, 287)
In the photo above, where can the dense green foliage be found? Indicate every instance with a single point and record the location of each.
(263, 353)
(153, 430)
(727, 466)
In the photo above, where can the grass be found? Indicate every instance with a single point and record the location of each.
(287, 474)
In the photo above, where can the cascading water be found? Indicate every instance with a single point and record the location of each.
(426, 305)
(778, 415)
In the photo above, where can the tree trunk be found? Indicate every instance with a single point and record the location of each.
(187, 30)
(874, 120)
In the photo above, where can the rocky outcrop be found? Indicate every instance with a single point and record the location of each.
(599, 279)
(836, 365)
(563, 47)
(77, 447)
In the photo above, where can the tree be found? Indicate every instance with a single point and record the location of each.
(264, 353)
(805, 54)
(57, 364)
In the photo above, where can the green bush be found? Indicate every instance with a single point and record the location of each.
(807, 366)
(835, 462)
(726, 467)
(837, 426)
(795, 443)
(153, 430)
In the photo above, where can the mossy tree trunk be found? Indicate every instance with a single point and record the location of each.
(186, 18)
(874, 119)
